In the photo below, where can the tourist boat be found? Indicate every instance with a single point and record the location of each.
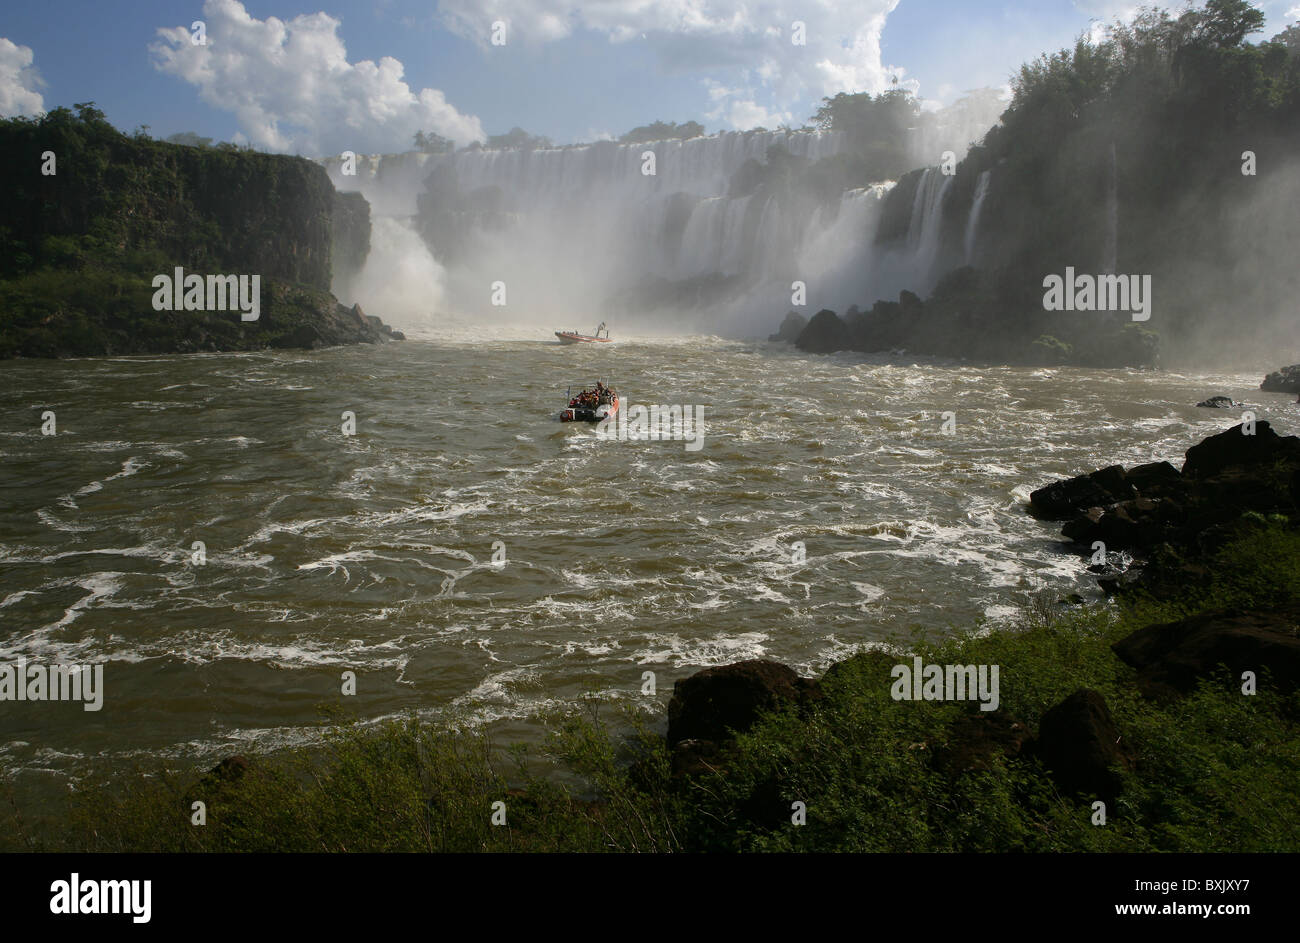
(573, 337)
(590, 406)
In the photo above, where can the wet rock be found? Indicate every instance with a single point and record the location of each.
(1218, 402)
(1129, 525)
(790, 328)
(1286, 380)
(1081, 748)
(715, 703)
(1062, 500)
(825, 334)
(1172, 657)
(1234, 447)
(1154, 480)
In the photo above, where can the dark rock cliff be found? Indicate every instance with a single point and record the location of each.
(80, 247)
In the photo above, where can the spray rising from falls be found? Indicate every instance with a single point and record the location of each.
(400, 276)
(641, 232)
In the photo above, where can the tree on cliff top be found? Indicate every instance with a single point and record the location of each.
(663, 131)
(433, 143)
(517, 139)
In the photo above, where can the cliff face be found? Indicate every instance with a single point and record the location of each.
(80, 247)
(350, 232)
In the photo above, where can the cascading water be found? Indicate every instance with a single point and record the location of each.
(400, 277)
(972, 225)
(926, 230)
(565, 229)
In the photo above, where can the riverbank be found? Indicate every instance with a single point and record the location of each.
(1142, 704)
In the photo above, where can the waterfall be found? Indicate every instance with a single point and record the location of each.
(972, 225)
(576, 227)
(400, 277)
(926, 230)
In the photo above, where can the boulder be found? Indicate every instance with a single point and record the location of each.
(1154, 480)
(825, 334)
(1219, 402)
(790, 328)
(229, 770)
(1127, 525)
(1065, 499)
(716, 703)
(1286, 380)
(1081, 748)
(1234, 447)
(1172, 657)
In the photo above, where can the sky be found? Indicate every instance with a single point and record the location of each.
(318, 77)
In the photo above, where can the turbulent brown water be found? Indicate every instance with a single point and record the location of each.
(373, 553)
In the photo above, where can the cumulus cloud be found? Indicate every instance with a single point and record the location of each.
(1293, 13)
(291, 87)
(841, 52)
(19, 81)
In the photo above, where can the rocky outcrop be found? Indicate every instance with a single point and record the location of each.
(230, 769)
(1080, 746)
(1286, 380)
(715, 703)
(1064, 499)
(1241, 448)
(825, 334)
(1219, 402)
(81, 248)
(1186, 515)
(350, 235)
(790, 328)
(1172, 657)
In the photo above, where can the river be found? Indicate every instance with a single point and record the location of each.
(826, 507)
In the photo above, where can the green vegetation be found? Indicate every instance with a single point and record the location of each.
(79, 248)
(1187, 130)
(189, 139)
(519, 139)
(433, 143)
(1173, 104)
(663, 131)
(1215, 770)
(877, 129)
